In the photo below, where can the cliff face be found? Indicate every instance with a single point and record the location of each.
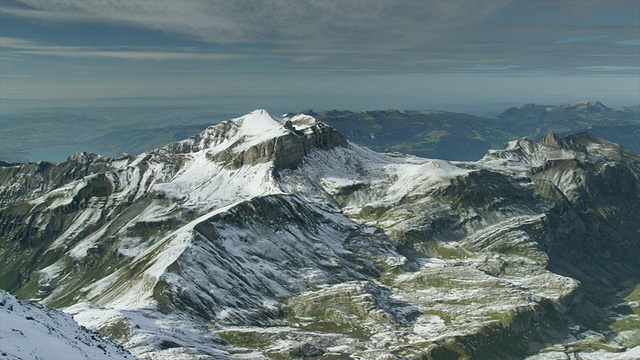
(240, 142)
(293, 242)
(286, 151)
(24, 182)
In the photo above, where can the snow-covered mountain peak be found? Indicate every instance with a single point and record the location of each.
(257, 123)
(258, 138)
(585, 104)
(254, 127)
(525, 152)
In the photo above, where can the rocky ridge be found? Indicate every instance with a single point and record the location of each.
(31, 331)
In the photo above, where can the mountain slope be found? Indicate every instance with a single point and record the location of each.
(29, 331)
(279, 238)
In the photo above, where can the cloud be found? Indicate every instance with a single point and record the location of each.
(581, 39)
(22, 76)
(604, 68)
(632, 42)
(489, 68)
(17, 46)
(356, 23)
(488, 36)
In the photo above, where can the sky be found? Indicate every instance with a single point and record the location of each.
(322, 54)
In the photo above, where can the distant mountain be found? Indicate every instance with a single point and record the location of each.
(635, 108)
(456, 136)
(279, 238)
(539, 119)
(31, 331)
(427, 133)
(111, 131)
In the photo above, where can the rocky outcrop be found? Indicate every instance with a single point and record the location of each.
(285, 151)
(232, 143)
(24, 182)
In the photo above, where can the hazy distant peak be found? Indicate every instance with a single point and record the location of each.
(533, 110)
(585, 107)
(594, 103)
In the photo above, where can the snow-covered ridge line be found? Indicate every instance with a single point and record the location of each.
(31, 331)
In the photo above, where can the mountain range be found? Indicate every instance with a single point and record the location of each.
(265, 237)
(55, 134)
(455, 136)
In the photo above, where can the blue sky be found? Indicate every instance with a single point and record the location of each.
(371, 54)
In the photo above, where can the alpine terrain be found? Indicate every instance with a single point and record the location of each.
(267, 237)
(56, 334)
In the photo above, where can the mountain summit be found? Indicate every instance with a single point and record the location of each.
(275, 237)
(259, 138)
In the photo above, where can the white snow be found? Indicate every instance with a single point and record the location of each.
(629, 354)
(257, 127)
(204, 185)
(384, 180)
(29, 331)
(429, 326)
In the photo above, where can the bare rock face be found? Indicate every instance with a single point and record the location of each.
(569, 143)
(27, 181)
(550, 140)
(286, 151)
(258, 138)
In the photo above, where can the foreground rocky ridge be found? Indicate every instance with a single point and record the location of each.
(31, 331)
(278, 238)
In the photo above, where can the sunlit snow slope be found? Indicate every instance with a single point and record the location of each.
(31, 331)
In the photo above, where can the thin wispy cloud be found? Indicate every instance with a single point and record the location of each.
(581, 39)
(18, 46)
(131, 55)
(612, 68)
(632, 42)
(21, 76)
